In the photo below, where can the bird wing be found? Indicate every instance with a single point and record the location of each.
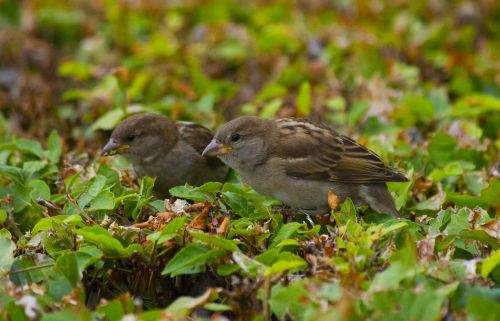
(316, 151)
(195, 135)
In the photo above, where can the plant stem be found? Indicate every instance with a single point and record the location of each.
(265, 300)
(31, 268)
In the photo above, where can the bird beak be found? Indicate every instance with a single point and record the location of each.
(113, 146)
(214, 148)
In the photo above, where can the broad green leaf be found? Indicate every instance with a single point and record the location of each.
(482, 309)
(169, 231)
(86, 256)
(30, 146)
(54, 147)
(491, 194)
(490, 263)
(286, 262)
(7, 248)
(304, 99)
(217, 307)
(190, 259)
(249, 266)
(285, 232)
(3, 215)
(219, 242)
(39, 190)
(227, 269)
(271, 108)
(96, 186)
(206, 192)
(48, 223)
(109, 120)
(106, 242)
(451, 169)
(290, 300)
(357, 111)
(103, 201)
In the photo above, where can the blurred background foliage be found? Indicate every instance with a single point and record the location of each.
(416, 81)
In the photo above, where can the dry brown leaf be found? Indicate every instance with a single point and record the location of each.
(222, 229)
(329, 248)
(333, 200)
(122, 74)
(199, 222)
(425, 249)
(197, 207)
(492, 229)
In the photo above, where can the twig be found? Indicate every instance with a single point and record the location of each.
(31, 268)
(265, 299)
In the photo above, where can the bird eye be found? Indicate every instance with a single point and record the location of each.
(130, 138)
(235, 137)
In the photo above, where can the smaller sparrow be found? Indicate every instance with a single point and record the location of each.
(167, 150)
(298, 162)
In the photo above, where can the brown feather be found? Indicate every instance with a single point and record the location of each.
(197, 136)
(317, 152)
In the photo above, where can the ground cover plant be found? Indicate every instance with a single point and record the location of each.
(82, 238)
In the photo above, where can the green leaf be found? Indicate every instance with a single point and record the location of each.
(110, 119)
(357, 111)
(39, 190)
(490, 263)
(66, 265)
(108, 244)
(48, 223)
(331, 291)
(285, 232)
(96, 185)
(190, 259)
(3, 215)
(206, 192)
(458, 222)
(228, 245)
(217, 307)
(249, 266)
(290, 300)
(54, 147)
(304, 99)
(271, 108)
(103, 201)
(482, 309)
(7, 248)
(169, 231)
(30, 146)
(433, 203)
(451, 169)
(86, 256)
(286, 262)
(491, 194)
(481, 236)
(227, 269)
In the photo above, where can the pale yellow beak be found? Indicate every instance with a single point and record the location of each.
(112, 146)
(214, 148)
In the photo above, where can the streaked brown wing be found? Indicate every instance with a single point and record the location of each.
(197, 136)
(315, 151)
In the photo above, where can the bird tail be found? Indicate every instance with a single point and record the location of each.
(377, 196)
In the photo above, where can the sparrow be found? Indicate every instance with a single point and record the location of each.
(298, 161)
(167, 150)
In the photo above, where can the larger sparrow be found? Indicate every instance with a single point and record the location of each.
(298, 162)
(167, 150)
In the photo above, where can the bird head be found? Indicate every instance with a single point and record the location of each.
(141, 135)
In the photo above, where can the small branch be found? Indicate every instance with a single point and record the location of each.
(31, 268)
(265, 299)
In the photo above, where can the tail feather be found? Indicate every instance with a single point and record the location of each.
(377, 196)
